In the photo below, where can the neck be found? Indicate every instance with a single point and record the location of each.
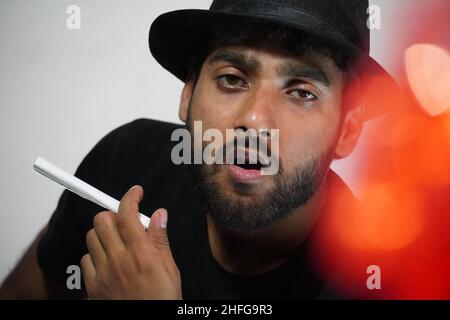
(249, 253)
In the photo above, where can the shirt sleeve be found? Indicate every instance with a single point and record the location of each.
(63, 244)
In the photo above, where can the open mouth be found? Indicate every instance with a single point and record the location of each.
(250, 159)
(248, 165)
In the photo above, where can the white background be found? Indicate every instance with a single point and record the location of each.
(61, 91)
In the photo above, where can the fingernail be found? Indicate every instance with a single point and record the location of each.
(133, 187)
(162, 219)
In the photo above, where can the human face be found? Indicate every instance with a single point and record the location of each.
(259, 88)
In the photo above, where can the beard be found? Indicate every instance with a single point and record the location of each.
(248, 210)
(246, 213)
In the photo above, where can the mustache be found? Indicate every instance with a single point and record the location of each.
(249, 147)
(242, 147)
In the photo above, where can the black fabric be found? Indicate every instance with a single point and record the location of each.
(139, 153)
(177, 35)
(345, 19)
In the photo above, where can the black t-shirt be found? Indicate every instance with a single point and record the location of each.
(139, 153)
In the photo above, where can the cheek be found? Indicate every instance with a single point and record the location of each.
(215, 110)
(307, 138)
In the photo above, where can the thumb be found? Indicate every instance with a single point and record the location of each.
(129, 204)
(157, 232)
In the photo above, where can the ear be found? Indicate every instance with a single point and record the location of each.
(186, 96)
(350, 133)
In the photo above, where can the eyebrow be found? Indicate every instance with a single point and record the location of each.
(299, 70)
(248, 64)
(252, 65)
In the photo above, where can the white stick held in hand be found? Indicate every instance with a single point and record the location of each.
(80, 187)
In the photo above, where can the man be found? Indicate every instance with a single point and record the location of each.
(223, 230)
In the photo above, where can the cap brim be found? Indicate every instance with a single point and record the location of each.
(175, 36)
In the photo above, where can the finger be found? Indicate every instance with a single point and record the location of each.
(89, 273)
(157, 232)
(130, 228)
(98, 255)
(107, 233)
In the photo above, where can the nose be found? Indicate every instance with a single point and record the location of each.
(257, 109)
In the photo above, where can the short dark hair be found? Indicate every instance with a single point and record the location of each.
(256, 33)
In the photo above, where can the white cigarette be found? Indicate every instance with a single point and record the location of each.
(80, 187)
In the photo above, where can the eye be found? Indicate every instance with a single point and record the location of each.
(304, 95)
(231, 81)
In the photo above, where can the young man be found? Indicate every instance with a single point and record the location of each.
(231, 232)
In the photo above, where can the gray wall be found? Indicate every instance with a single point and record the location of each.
(62, 90)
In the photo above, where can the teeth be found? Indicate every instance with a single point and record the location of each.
(263, 160)
(253, 155)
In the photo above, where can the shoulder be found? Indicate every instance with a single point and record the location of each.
(147, 127)
(338, 190)
(138, 152)
(132, 145)
(139, 144)
(143, 130)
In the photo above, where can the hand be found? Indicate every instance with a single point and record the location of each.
(127, 262)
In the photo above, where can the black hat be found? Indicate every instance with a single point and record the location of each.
(175, 36)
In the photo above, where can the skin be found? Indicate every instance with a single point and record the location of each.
(127, 262)
(260, 93)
